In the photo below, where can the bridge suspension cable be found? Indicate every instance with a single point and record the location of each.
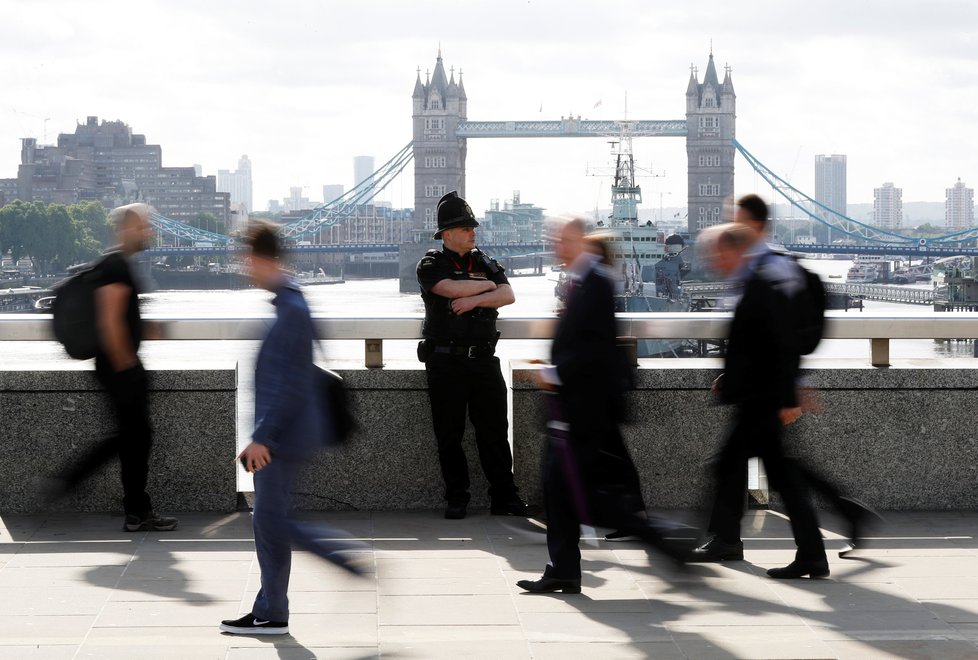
(183, 231)
(838, 221)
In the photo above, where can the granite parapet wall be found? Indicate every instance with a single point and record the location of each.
(899, 438)
(49, 418)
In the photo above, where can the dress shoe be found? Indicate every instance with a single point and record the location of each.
(620, 535)
(799, 568)
(860, 518)
(548, 585)
(513, 507)
(717, 550)
(456, 510)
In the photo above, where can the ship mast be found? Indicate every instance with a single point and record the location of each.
(626, 194)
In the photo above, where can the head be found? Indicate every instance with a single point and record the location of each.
(752, 212)
(726, 246)
(569, 240)
(132, 227)
(264, 253)
(456, 223)
(598, 244)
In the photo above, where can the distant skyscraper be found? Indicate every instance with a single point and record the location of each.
(830, 182)
(331, 191)
(363, 169)
(296, 202)
(888, 206)
(959, 208)
(237, 183)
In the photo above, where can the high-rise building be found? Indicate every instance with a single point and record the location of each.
(363, 169)
(515, 222)
(959, 206)
(332, 191)
(888, 206)
(107, 162)
(237, 183)
(830, 182)
(296, 201)
(711, 128)
(439, 104)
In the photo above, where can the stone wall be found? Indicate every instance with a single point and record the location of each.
(48, 418)
(899, 438)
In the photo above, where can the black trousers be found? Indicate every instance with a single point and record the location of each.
(131, 442)
(588, 477)
(757, 431)
(458, 385)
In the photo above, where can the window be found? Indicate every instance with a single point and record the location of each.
(434, 191)
(709, 125)
(434, 124)
(709, 160)
(709, 102)
(709, 189)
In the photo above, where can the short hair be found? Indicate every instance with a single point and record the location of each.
(755, 206)
(263, 240)
(120, 215)
(601, 247)
(734, 236)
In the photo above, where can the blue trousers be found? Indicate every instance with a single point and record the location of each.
(277, 532)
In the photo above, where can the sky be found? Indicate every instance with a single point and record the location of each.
(302, 87)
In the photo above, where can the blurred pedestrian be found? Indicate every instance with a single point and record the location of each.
(120, 371)
(462, 287)
(588, 476)
(290, 423)
(759, 379)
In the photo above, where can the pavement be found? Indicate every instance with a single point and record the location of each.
(76, 586)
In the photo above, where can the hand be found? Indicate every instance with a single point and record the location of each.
(463, 305)
(541, 382)
(255, 456)
(809, 400)
(789, 415)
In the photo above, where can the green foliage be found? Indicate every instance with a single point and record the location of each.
(54, 236)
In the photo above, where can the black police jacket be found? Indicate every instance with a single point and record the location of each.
(441, 324)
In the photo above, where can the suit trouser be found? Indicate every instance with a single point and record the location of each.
(131, 442)
(457, 384)
(758, 432)
(276, 532)
(581, 485)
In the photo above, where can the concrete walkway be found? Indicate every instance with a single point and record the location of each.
(77, 587)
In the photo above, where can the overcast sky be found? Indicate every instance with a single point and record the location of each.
(304, 86)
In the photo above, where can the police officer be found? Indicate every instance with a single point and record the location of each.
(462, 288)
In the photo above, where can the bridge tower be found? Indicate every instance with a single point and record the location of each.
(439, 156)
(710, 122)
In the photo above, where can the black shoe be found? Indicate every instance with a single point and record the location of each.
(456, 510)
(548, 585)
(717, 550)
(619, 535)
(513, 507)
(249, 624)
(860, 518)
(799, 568)
(149, 522)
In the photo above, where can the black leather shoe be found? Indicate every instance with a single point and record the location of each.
(456, 510)
(717, 550)
(548, 585)
(801, 568)
(513, 507)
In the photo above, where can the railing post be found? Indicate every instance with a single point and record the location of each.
(373, 353)
(879, 352)
(630, 346)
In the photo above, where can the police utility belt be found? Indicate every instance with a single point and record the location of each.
(429, 347)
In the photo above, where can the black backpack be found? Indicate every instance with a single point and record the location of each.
(808, 310)
(73, 312)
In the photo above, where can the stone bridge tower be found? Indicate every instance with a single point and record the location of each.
(439, 156)
(710, 122)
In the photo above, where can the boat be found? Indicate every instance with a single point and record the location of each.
(21, 299)
(862, 274)
(649, 265)
(44, 305)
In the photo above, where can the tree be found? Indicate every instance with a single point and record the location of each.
(209, 222)
(93, 217)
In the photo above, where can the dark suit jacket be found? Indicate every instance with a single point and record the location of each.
(589, 365)
(761, 364)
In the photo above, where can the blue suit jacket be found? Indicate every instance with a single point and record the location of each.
(288, 415)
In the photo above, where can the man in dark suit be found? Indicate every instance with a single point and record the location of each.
(760, 374)
(584, 478)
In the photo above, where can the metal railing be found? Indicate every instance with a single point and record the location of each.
(879, 328)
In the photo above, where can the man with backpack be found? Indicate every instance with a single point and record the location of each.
(760, 380)
(119, 331)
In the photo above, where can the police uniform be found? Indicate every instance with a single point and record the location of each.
(463, 372)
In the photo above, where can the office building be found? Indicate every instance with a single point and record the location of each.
(332, 191)
(237, 183)
(830, 182)
(959, 206)
(363, 169)
(888, 207)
